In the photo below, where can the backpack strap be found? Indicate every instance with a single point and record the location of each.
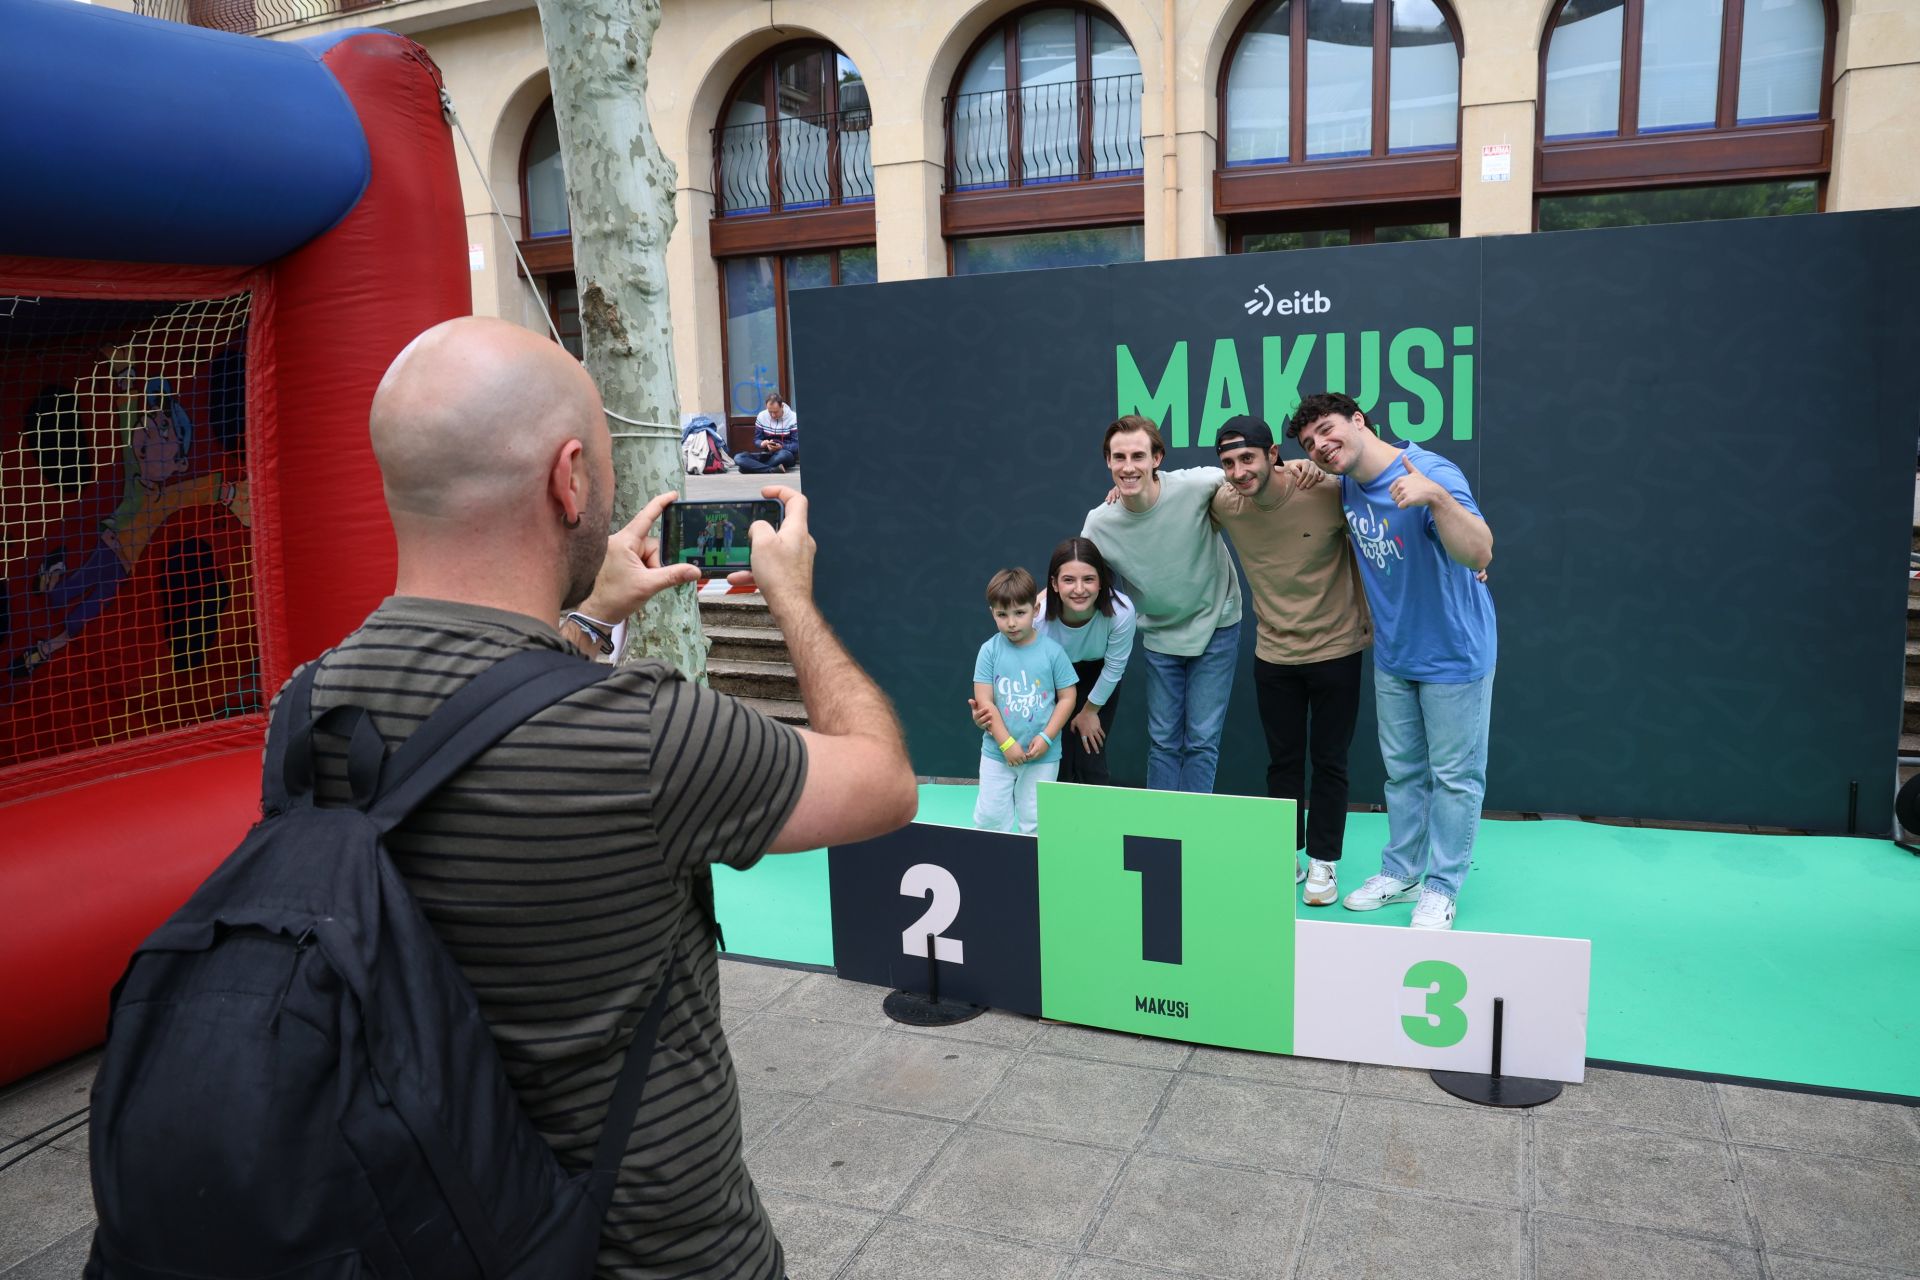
(624, 1106)
(288, 776)
(486, 709)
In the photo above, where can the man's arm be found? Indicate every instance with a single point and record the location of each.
(1467, 538)
(859, 781)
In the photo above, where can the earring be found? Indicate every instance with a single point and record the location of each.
(573, 523)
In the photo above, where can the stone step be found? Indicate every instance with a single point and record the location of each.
(749, 644)
(786, 710)
(1910, 712)
(736, 611)
(744, 679)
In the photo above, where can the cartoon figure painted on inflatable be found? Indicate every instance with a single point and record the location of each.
(188, 503)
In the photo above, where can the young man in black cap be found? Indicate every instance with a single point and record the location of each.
(1313, 624)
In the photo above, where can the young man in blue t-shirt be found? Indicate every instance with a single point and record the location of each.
(1421, 544)
(1023, 690)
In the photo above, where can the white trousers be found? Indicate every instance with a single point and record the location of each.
(1008, 793)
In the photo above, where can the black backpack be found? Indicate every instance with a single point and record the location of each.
(297, 1080)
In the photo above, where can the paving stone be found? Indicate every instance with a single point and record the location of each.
(995, 1027)
(1268, 1126)
(1786, 1266)
(1271, 1068)
(797, 1055)
(1102, 1269)
(62, 1260)
(942, 1078)
(1404, 1082)
(1112, 1046)
(818, 1238)
(1009, 1184)
(1639, 1179)
(1568, 1249)
(1640, 1100)
(902, 1248)
(1220, 1222)
(1083, 1101)
(846, 1154)
(1472, 1155)
(1849, 1210)
(825, 998)
(761, 1110)
(749, 987)
(1831, 1126)
(48, 1097)
(1357, 1232)
(43, 1199)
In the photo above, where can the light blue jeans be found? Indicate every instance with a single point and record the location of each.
(1433, 740)
(1186, 712)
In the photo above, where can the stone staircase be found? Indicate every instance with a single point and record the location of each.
(749, 658)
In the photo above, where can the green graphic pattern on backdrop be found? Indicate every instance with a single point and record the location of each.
(1109, 935)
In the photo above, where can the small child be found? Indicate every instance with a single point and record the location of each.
(1026, 686)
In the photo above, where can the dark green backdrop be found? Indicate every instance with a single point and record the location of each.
(1694, 445)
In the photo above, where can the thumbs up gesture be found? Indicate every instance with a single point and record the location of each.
(1414, 489)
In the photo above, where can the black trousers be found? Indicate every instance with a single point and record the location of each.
(1077, 764)
(1310, 707)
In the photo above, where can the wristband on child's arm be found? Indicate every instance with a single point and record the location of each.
(1008, 743)
(1043, 733)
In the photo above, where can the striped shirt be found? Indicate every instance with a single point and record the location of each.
(559, 870)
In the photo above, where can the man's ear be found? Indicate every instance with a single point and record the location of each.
(567, 483)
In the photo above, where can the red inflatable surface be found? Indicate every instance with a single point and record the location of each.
(129, 760)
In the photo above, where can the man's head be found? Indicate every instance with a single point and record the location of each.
(1247, 454)
(491, 438)
(1134, 451)
(776, 407)
(1010, 596)
(1332, 430)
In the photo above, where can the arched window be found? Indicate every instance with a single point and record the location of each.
(546, 238)
(793, 210)
(1043, 137)
(1724, 103)
(1328, 103)
(794, 135)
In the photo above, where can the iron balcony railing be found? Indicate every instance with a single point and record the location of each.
(1066, 131)
(794, 162)
(249, 16)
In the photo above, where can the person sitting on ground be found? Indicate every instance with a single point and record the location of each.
(568, 869)
(776, 439)
(1023, 688)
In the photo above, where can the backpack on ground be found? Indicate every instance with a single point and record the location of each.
(700, 451)
(298, 1082)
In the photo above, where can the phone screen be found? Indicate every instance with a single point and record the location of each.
(713, 535)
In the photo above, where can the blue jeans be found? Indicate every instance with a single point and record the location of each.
(1186, 712)
(769, 460)
(1433, 740)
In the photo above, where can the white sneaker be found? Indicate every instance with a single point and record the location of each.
(1381, 891)
(1299, 872)
(1435, 910)
(1322, 883)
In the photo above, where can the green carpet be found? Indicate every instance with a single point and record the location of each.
(1793, 958)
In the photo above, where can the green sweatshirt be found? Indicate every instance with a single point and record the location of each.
(1174, 560)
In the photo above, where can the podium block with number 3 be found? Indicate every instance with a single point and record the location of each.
(1168, 914)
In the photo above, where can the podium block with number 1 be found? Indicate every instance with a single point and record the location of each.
(1168, 914)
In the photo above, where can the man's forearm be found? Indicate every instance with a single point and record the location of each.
(839, 696)
(1467, 538)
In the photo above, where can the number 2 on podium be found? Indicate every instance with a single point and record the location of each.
(924, 880)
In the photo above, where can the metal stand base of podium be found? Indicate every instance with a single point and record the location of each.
(916, 1010)
(1494, 1089)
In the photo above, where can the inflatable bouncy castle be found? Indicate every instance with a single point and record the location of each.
(210, 249)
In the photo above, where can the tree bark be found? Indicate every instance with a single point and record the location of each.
(620, 189)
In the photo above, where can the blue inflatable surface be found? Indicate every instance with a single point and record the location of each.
(134, 140)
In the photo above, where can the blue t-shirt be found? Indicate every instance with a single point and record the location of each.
(1432, 619)
(1025, 680)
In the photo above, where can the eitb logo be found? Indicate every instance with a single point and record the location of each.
(1265, 302)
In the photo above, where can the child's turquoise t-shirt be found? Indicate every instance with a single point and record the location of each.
(1024, 680)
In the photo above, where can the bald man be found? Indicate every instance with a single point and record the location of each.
(568, 869)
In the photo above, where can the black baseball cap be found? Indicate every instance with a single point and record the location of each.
(1252, 432)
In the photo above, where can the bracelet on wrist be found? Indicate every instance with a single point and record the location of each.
(1008, 743)
(1047, 736)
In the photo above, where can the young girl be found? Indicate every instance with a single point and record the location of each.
(1083, 614)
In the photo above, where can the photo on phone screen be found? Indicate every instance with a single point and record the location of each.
(713, 535)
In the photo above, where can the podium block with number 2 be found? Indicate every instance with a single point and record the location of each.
(1168, 914)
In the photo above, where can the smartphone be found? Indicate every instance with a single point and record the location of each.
(713, 535)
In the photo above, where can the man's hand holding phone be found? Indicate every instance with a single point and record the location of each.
(631, 573)
(782, 558)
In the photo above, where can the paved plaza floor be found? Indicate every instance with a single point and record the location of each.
(1010, 1149)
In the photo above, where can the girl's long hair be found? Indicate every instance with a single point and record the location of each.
(1081, 549)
